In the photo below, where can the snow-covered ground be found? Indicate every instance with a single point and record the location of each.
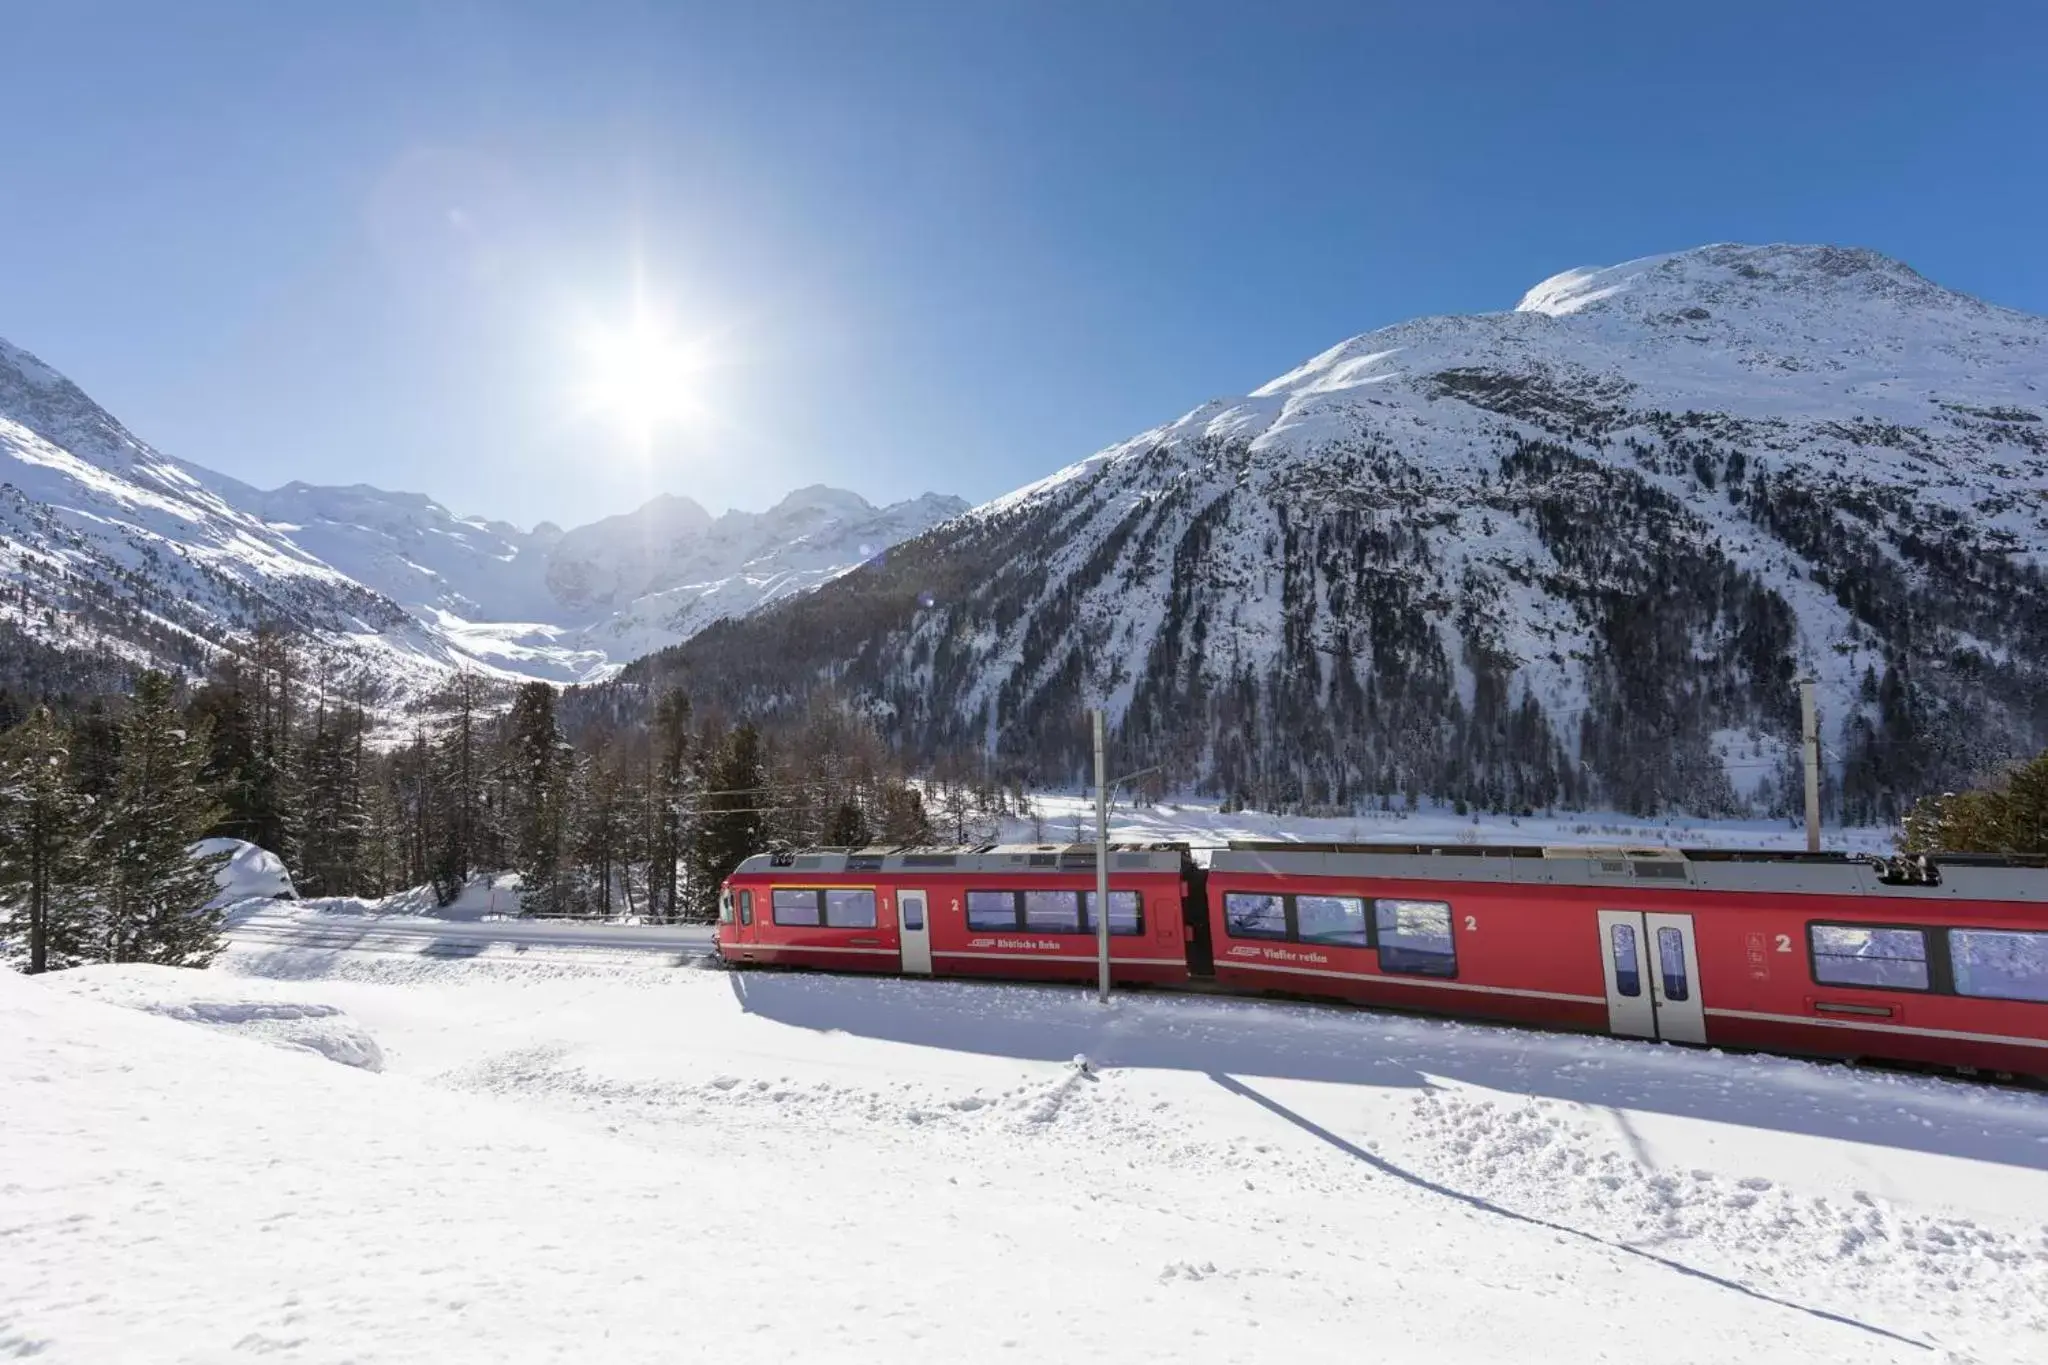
(1068, 816)
(593, 1149)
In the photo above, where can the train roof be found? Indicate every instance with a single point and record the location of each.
(971, 858)
(1945, 876)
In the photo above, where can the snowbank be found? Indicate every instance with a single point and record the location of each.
(485, 897)
(242, 1007)
(251, 873)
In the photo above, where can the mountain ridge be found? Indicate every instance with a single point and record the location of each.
(1572, 550)
(116, 550)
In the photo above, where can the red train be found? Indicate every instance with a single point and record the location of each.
(1941, 962)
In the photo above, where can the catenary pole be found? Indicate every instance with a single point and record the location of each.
(1809, 743)
(1101, 867)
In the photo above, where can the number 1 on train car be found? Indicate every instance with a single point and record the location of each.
(1652, 968)
(914, 931)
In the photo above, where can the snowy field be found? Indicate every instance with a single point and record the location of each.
(370, 1136)
(1064, 817)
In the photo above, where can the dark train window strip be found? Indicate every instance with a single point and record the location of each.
(1053, 912)
(1413, 937)
(815, 907)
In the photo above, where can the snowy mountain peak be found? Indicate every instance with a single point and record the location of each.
(819, 498)
(1576, 550)
(1731, 273)
(27, 368)
(108, 546)
(38, 399)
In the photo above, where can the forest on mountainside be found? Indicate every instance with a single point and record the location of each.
(1595, 623)
(640, 817)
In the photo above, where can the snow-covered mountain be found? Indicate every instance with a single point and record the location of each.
(1576, 550)
(111, 549)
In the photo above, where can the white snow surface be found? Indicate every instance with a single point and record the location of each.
(242, 1007)
(607, 1153)
(250, 872)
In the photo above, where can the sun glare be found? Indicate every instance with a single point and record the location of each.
(643, 375)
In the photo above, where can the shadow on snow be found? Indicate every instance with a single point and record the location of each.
(1349, 1046)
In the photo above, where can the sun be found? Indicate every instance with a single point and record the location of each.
(642, 375)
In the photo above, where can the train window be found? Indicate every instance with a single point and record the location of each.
(913, 911)
(1249, 916)
(1052, 912)
(1868, 955)
(850, 909)
(746, 907)
(1628, 975)
(2000, 964)
(991, 909)
(1671, 964)
(1415, 937)
(1126, 916)
(796, 906)
(1336, 920)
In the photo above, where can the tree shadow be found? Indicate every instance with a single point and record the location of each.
(1351, 1046)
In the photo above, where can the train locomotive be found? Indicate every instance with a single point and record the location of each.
(1932, 961)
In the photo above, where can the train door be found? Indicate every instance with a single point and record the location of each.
(1652, 967)
(914, 930)
(743, 916)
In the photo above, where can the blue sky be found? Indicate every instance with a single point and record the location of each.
(941, 246)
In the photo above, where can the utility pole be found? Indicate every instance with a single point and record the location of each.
(1809, 743)
(1101, 867)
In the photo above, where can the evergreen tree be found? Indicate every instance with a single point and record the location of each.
(96, 752)
(537, 791)
(600, 831)
(729, 824)
(331, 849)
(903, 816)
(253, 761)
(847, 827)
(384, 865)
(154, 894)
(455, 810)
(668, 793)
(2009, 816)
(43, 826)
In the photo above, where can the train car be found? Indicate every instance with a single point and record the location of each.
(1026, 912)
(1941, 962)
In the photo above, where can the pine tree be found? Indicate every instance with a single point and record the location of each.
(331, 849)
(903, 815)
(669, 789)
(154, 894)
(847, 827)
(2009, 816)
(95, 752)
(43, 826)
(600, 828)
(537, 780)
(455, 814)
(729, 826)
(253, 760)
